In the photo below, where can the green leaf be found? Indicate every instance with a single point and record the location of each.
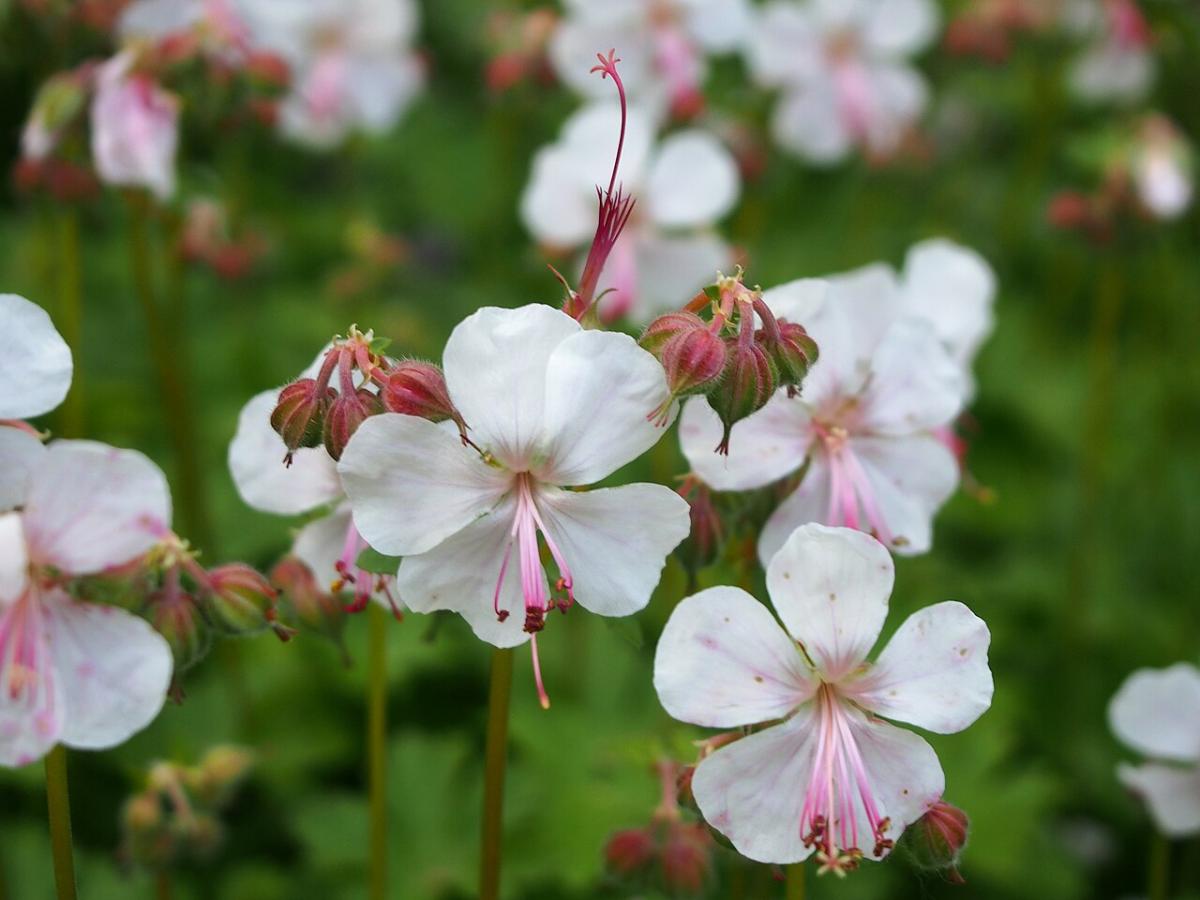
(371, 560)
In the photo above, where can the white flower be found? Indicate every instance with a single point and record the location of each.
(218, 22)
(353, 67)
(842, 68)
(1157, 713)
(832, 777)
(662, 44)
(80, 674)
(553, 405)
(135, 128)
(864, 423)
(683, 186)
(1117, 64)
(1162, 168)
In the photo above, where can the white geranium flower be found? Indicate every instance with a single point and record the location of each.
(1117, 65)
(552, 405)
(1162, 168)
(1157, 713)
(833, 778)
(842, 68)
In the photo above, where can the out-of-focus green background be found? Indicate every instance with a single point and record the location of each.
(1086, 565)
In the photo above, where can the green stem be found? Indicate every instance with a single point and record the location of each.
(70, 317)
(1160, 867)
(377, 745)
(58, 802)
(162, 885)
(493, 779)
(795, 881)
(172, 375)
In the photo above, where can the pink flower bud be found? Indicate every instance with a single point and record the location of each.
(630, 851)
(936, 840)
(241, 600)
(346, 413)
(793, 353)
(177, 618)
(299, 414)
(686, 857)
(667, 326)
(749, 381)
(693, 359)
(306, 604)
(419, 389)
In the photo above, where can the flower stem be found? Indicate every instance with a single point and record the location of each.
(162, 885)
(70, 312)
(171, 374)
(58, 802)
(493, 784)
(795, 881)
(1160, 867)
(377, 745)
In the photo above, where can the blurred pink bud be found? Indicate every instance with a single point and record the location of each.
(686, 857)
(630, 851)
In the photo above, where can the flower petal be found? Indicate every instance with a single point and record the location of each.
(797, 301)
(91, 507)
(830, 587)
(915, 385)
(558, 206)
(693, 181)
(31, 699)
(752, 791)
(412, 484)
(671, 269)
(601, 391)
(20, 453)
(953, 288)
(723, 661)
(1172, 794)
(720, 26)
(319, 544)
(933, 673)
(899, 27)
(763, 447)
(808, 503)
(114, 670)
(615, 541)
(807, 122)
(35, 362)
(1157, 712)
(461, 574)
(263, 481)
(14, 560)
(910, 479)
(495, 363)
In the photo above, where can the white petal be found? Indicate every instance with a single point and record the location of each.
(114, 669)
(899, 96)
(720, 26)
(910, 477)
(933, 673)
(20, 452)
(558, 206)
(601, 392)
(807, 122)
(763, 447)
(953, 288)
(1157, 712)
(1172, 794)
(830, 587)
(380, 89)
(899, 27)
(319, 545)
(797, 301)
(905, 775)
(91, 506)
(590, 136)
(495, 363)
(752, 791)
(808, 503)
(1106, 71)
(723, 661)
(693, 181)
(31, 719)
(461, 574)
(35, 362)
(671, 269)
(574, 45)
(785, 45)
(615, 541)
(914, 383)
(412, 484)
(263, 481)
(14, 559)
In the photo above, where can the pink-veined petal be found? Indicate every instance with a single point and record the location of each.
(763, 447)
(91, 507)
(1171, 793)
(933, 673)
(723, 661)
(20, 453)
(671, 269)
(809, 502)
(35, 362)
(693, 181)
(263, 481)
(1157, 712)
(830, 587)
(319, 544)
(412, 484)
(31, 699)
(615, 541)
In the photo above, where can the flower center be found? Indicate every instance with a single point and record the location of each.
(26, 675)
(852, 500)
(839, 790)
(362, 581)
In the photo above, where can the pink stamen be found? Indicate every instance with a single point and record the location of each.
(851, 495)
(26, 672)
(364, 582)
(543, 697)
(855, 102)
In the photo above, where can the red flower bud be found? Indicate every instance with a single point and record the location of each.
(629, 851)
(305, 602)
(749, 381)
(241, 600)
(268, 68)
(346, 413)
(667, 326)
(419, 389)
(793, 353)
(693, 359)
(686, 857)
(299, 414)
(936, 840)
(177, 618)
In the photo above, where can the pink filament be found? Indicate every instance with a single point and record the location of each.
(26, 671)
(851, 495)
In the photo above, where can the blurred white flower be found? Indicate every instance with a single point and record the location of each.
(1117, 64)
(1162, 168)
(865, 427)
(683, 185)
(80, 674)
(218, 24)
(842, 68)
(832, 777)
(135, 128)
(663, 46)
(1157, 713)
(352, 61)
(550, 405)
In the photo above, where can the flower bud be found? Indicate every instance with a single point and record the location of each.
(706, 533)
(299, 415)
(686, 857)
(177, 618)
(304, 602)
(630, 851)
(204, 835)
(936, 840)
(693, 359)
(267, 68)
(345, 414)
(218, 775)
(417, 388)
(240, 599)
(748, 382)
(142, 812)
(793, 351)
(667, 326)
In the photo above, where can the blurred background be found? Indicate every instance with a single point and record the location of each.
(1076, 539)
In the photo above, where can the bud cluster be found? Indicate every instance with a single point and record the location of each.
(737, 358)
(311, 411)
